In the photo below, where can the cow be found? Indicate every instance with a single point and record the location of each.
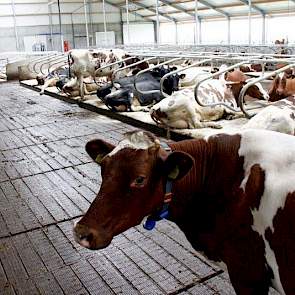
(51, 78)
(71, 87)
(233, 196)
(279, 116)
(121, 95)
(86, 63)
(281, 87)
(181, 111)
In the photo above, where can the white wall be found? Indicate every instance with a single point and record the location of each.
(215, 32)
(140, 33)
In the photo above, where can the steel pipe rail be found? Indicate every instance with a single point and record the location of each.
(37, 60)
(131, 65)
(113, 63)
(61, 65)
(245, 88)
(149, 69)
(41, 61)
(49, 63)
(177, 71)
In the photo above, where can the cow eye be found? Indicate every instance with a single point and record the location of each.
(138, 182)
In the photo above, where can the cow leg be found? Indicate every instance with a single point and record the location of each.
(209, 125)
(81, 87)
(48, 83)
(230, 115)
(139, 109)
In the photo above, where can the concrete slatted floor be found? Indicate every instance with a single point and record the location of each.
(47, 182)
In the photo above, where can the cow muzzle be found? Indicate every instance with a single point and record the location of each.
(90, 238)
(158, 115)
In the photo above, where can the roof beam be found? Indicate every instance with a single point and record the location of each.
(246, 2)
(204, 2)
(178, 7)
(149, 9)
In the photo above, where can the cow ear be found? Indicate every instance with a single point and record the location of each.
(97, 149)
(178, 164)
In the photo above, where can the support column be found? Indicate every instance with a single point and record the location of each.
(196, 23)
(14, 25)
(60, 35)
(200, 31)
(127, 20)
(263, 29)
(157, 23)
(86, 23)
(249, 23)
(73, 31)
(228, 30)
(176, 33)
(104, 21)
(50, 25)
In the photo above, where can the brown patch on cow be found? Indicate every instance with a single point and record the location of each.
(255, 186)
(213, 211)
(282, 242)
(292, 116)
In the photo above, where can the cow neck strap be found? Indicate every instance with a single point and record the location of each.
(163, 212)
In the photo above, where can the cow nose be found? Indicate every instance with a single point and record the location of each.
(83, 235)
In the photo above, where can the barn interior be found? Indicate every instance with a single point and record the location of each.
(47, 179)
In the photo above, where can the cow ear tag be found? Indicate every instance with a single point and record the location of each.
(99, 158)
(174, 173)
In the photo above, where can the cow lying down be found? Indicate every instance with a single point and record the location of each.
(233, 196)
(121, 95)
(71, 87)
(181, 111)
(279, 117)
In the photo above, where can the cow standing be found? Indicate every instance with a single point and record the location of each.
(232, 195)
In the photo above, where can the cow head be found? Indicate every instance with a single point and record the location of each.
(278, 88)
(134, 174)
(40, 79)
(255, 91)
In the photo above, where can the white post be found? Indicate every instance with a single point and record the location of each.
(249, 22)
(14, 24)
(127, 20)
(104, 22)
(60, 35)
(228, 30)
(263, 29)
(176, 33)
(196, 23)
(86, 23)
(50, 25)
(158, 22)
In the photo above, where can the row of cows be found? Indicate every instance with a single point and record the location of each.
(97, 72)
(231, 194)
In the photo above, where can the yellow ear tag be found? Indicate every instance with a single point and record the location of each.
(99, 158)
(174, 173)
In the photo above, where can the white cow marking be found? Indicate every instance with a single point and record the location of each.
(137, 140)
(274, 152)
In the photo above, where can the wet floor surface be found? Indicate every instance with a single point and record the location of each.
(47, 182)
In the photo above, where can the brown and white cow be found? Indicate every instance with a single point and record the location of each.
(232, 195)
(86, 63)
(281, 87)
